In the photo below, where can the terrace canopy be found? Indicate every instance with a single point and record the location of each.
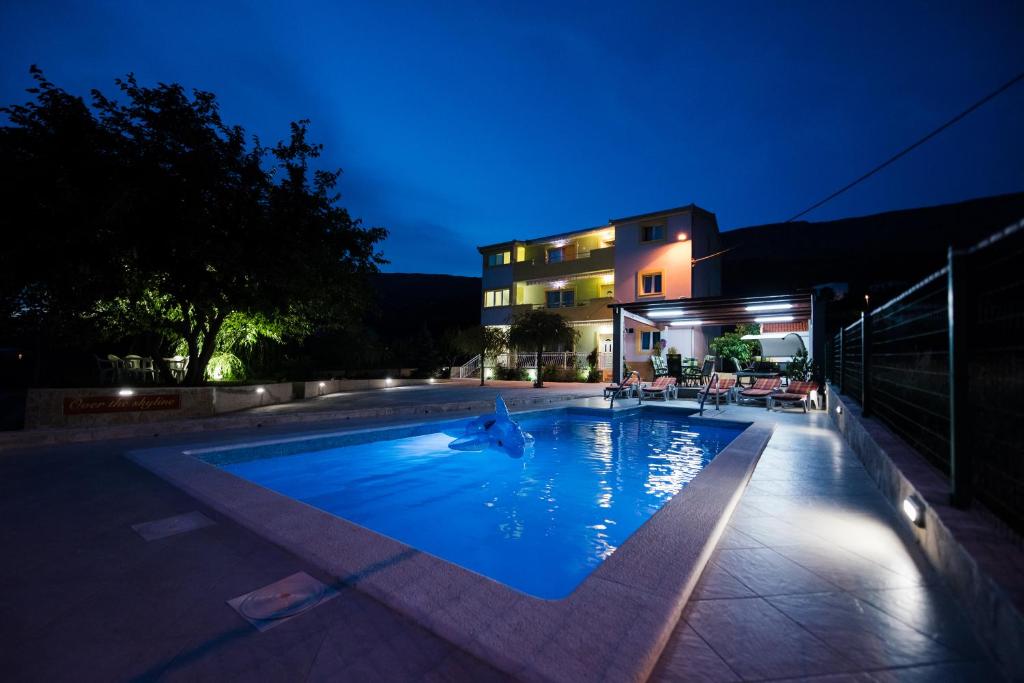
(710, 312)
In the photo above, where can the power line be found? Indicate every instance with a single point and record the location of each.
(998, 91)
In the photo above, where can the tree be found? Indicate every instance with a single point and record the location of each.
(535, 329)
(483, 340)
(733, 345)
(148, 213)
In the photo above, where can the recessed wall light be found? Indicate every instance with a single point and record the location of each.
(913, 508)
(260, 390)
(125, 392)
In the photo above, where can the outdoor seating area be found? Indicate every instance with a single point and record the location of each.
(136, 369)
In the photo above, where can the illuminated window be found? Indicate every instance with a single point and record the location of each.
(652, 233)
(500, 258)
(650, 284)
(563, 298)
(649, 340)
(496, 297)
(556, 255)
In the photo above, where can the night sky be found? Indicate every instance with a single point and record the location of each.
(460, 124)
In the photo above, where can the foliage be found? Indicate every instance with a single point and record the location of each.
(225, 367)
(594, 375)
(537, 328)
(484, 340)
(672, 351)
(510, 374)
(592, 358)
(152, 216)
(801, 367)
(731, 344)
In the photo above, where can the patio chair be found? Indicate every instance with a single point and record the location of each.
(659, 365)
(797, 393)
(106, 369)
(120, 366)
(762, 389)
(663, 388)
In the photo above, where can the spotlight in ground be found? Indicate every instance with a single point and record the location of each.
(323, 384)
(125, 392)
(913, 508)
(260, 390)
(839, 410)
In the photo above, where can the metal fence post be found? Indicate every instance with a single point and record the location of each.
(865, 363)
(958, 309)
(842, 352)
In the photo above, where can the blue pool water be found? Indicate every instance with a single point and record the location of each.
(540, 524)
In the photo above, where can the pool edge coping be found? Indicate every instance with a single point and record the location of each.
(612, 627)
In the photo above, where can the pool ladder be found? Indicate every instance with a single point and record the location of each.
(639, 389)
(713, 382)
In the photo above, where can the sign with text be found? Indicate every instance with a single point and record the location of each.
(84, 405)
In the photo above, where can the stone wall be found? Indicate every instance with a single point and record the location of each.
(49, 408)
(964, 546)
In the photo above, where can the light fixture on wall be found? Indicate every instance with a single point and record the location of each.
(839, 409)
(125, 392)
(260, 390)
(558, 284)
(770, 307)
(913, 508)
(686, 323)
(666, 313)
(682, 237)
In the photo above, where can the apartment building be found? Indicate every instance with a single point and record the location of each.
(654, 256)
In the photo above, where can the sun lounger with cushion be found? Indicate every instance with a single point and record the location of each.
(762, 389)
(797, 393)
(663, 387)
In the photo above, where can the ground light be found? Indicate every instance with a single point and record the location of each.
(323, 384)
(913, 508)
(260, 390)
(387, 380)
(839, 410)
(125, 392)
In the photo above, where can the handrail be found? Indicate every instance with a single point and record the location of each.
(707, 390)
(639, 390)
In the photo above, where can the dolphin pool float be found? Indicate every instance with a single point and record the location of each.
(497, 430)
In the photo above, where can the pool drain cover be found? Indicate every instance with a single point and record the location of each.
(286, 598)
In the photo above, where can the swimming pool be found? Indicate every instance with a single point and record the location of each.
(540, 524)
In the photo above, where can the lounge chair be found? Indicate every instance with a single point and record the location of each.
(624, 389)
(663, 387)
(797, 393)
(762, 389)
(723, 387)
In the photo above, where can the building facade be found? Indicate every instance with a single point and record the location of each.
(653, 256)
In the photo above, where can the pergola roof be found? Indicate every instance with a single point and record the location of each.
(717, 310)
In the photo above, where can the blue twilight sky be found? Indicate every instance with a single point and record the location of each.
(468, 123)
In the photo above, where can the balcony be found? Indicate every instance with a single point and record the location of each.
(591, 309)
(586, 261)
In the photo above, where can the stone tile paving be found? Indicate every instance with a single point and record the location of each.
(811, 581)
(84, 598)
(814, 582)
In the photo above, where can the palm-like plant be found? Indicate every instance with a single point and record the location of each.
(533, 330)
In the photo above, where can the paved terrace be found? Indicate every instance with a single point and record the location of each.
(811, 579)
